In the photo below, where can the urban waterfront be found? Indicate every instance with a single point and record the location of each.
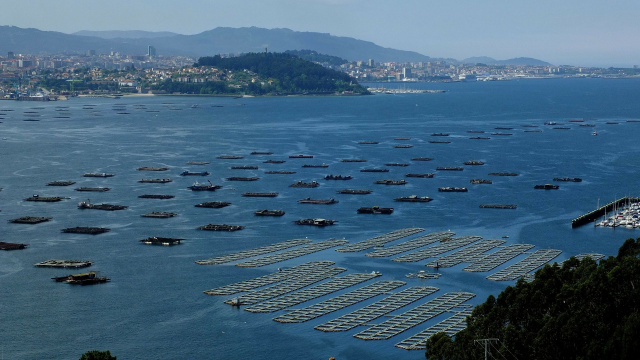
(154, 305)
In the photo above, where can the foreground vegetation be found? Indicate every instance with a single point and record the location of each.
(582, 310)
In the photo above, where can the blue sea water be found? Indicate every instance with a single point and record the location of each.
(154, 307)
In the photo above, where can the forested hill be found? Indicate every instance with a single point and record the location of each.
(582, 310)
(281, 73)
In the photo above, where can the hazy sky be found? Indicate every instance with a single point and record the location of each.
(577, 32)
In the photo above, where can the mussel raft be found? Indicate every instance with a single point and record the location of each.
(156, 240)
(30, 220)
(159, 214)
(86, 230)
(220, 227)
(267, 212)
(315, 222)
(213, 204)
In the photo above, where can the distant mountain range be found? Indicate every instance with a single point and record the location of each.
(516, 61)
(221, 40)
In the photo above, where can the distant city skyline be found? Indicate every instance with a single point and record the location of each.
(591, 33)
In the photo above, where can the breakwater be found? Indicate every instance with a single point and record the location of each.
(595, 214)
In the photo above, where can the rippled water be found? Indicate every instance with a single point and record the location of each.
(154, 307)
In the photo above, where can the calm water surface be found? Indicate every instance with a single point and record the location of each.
(154, 307)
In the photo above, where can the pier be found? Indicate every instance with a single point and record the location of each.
(414, 317)
(339, 302)
(377, 309)
(601, 211)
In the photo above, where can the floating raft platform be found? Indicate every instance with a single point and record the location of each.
(276, 277)
(155, 240)
(466, 254)
(61, 183)
(495, 259)
(30, 220)
(450, 326)
(45, 198)
(285, 287)
(339, 302)
(12, 246)
(160, 214)
(311, 293)
(75, 264)
(433, 251)
(498, 206)
(529, 264)
(599, 212)
(380, 240)
(254, 252)
(86, 230)
(156, 196)
(415, 316)
(378, 309)
(294, 253)
(412, 244)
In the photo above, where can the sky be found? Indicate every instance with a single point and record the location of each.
(562, 32)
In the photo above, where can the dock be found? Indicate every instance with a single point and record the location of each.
(276, 277)
(524, 267)
(599, 212)
(294, 253)
(253, 252)
(311, 293)
(412, 244)
(378, 309)
(450, 326)
(414, 317)
(466, 254)
(339, 302)
(379, 240)
(285, 287)
(434, 251)
(495, 259)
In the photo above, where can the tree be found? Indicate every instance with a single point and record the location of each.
(97, 355)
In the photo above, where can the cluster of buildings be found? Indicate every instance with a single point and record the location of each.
(25, 74)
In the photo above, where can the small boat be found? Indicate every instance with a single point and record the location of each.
(213, 204)
(220, 227)
(594, 133)
(260, 194)
(318, 201)
(267, 212)
(300, 184)
(191, 173)
(108, 207)
(338, 177)
(547, 187)
(86, 230)
(98, 175)
(413, 198)
(61, 183)
(88, 278)
(156, 240)
(204, 187)
(315, 222)
(159, 214)
(354, 191)
(375, 210)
